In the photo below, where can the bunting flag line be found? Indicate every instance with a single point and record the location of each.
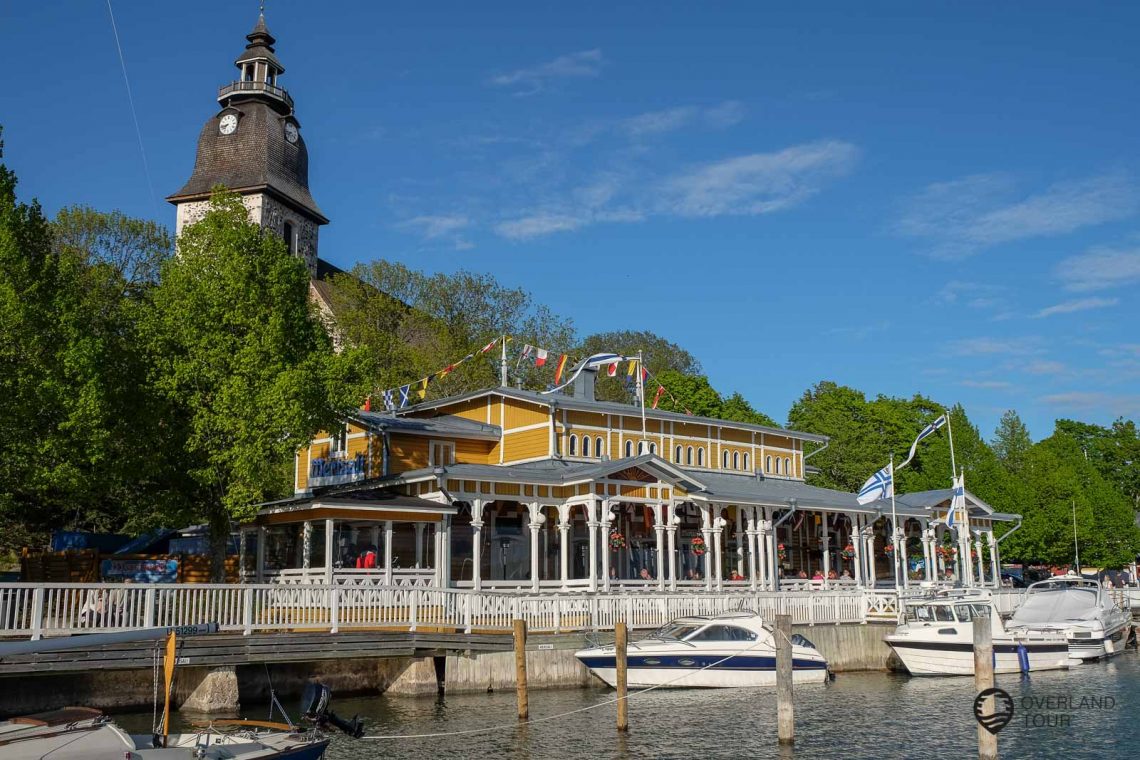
(368, 403)
(389, 402)
(422, 390)
(632, 368)
(405, 392)
(558, 370)
(540, 355)
(657, 396)
(612, 370)
(489, 346)
(527, 353)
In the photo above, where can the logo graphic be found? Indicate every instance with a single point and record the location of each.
(1003, 709)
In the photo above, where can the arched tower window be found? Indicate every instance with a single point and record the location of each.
(628, 449)
(787, 466)
(585, 445)
(745, 461)
(701, 456)
(599, 448)
(724, 460)
(768, 463)
(573, 446)
(736, 460)
(689, 455)
(677, 455)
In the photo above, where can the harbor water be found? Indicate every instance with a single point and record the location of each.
(1087, 712)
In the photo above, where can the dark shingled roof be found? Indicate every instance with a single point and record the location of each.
(255, 157)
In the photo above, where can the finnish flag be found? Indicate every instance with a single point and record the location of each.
(957, 502)
(925, 432)
(878, 486)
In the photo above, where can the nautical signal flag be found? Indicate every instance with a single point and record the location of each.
(657, 396)
(422, 390)
(368, 403)
(612, 370)
(559, 369)
(540, 355)
(632, 368)
(489, 346)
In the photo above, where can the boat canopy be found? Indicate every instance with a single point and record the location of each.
(1065, 603)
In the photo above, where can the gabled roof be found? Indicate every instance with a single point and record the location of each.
(940, 497)
(776, 492)
(562, 401)
(447, 425)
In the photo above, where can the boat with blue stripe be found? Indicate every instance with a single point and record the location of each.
(734, 649)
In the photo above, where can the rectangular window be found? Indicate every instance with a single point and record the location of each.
(442, 453)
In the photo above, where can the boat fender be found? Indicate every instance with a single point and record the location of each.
(1023, 659)
(830, 676)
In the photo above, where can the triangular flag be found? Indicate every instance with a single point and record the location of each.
(612, 369)
(540, 355)
(422, 390)
(657, 396)
(446, 371)
(559, 369)
(368, 403)
(489, 346)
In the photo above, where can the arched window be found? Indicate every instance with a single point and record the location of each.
(599, 447)
(768, 463)
(573, 451)
(628, 449)
(736, 460)
(787, 466)
(724, 460)
(585, 445)
(677, 455)
(746, 462)
(247, 73)
(653, 448)
(689, 455)
(701, 456)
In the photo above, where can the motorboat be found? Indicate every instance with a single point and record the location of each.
(1078, 608)
(735, 649)
(936, 638)
(81, 733)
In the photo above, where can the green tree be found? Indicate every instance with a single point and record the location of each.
(1011, 441)
(244, 362)
(410, 324)
(1115, 452)
(693, 393)
(660, 355)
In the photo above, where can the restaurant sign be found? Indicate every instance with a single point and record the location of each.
(331, 471)
(140, 570)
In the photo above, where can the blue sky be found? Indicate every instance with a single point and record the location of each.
(936, 198)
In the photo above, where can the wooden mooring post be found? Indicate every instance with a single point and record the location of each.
(620, 646)
(984, 679)
(520, 669)
(785, 712)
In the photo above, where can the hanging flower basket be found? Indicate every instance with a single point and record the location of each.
(848, 552)
(699, 547)
(617, 540)
(889, 549)
(781, 552)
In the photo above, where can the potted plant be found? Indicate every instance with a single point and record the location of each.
(781, 552)
(617, 540)
(848, 552)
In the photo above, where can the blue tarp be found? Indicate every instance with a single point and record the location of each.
(62, 540)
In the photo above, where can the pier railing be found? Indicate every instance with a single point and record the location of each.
(36, 610)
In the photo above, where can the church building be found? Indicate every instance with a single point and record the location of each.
(552, 492)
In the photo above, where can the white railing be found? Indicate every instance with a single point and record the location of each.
(37, 610)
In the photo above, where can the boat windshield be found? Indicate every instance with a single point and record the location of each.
(929, 613)
(967, 612)
(676, 631)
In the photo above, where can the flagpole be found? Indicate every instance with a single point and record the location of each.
(641, 393)
(503, 363)
(953, 464)
(894, 523)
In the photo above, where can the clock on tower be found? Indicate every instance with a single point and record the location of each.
(253, 146)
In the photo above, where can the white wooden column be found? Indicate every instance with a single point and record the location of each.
(763, 541)
(604, 536)
(564, 544)
(477, 544)
(671, 528)
(388, 552)
(995, 564)
(659, 530)
(307, 545)
(329, 545)
(856, 540)
(981, 563)
(537, 519)
(444, 527)
(718, 542)
(592, 510)
(825, 548)
(751, 534)
(706, 535)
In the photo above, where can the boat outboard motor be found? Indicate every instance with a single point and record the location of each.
(315, 708)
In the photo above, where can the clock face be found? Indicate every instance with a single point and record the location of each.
(291, 132)
(228, 124)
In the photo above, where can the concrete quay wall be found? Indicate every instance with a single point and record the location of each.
(222, 690)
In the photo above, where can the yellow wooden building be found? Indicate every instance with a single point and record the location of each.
(506, 488)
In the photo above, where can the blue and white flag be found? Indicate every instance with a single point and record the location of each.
(925, 432)
(878, 486)
(957, 502)
(405, 392)
(389, 401)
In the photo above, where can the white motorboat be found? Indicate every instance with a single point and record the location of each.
(1078, 608)
(81, 733)
(734, 649)
(936, 638)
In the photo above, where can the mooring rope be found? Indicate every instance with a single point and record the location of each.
(486, 729)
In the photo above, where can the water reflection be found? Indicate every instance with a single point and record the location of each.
(859, 715)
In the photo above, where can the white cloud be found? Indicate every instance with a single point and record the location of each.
(964, 216)
(433, 226)
(989, 384)
(992, 346)
(657, 122)
(1044, 367)
(1115, 405)
(584, 63)
(1100, 268)
(537, 225)
(758, 183)
(727, 114)
(1080, 304)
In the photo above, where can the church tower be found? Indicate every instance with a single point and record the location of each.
(254, 147)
